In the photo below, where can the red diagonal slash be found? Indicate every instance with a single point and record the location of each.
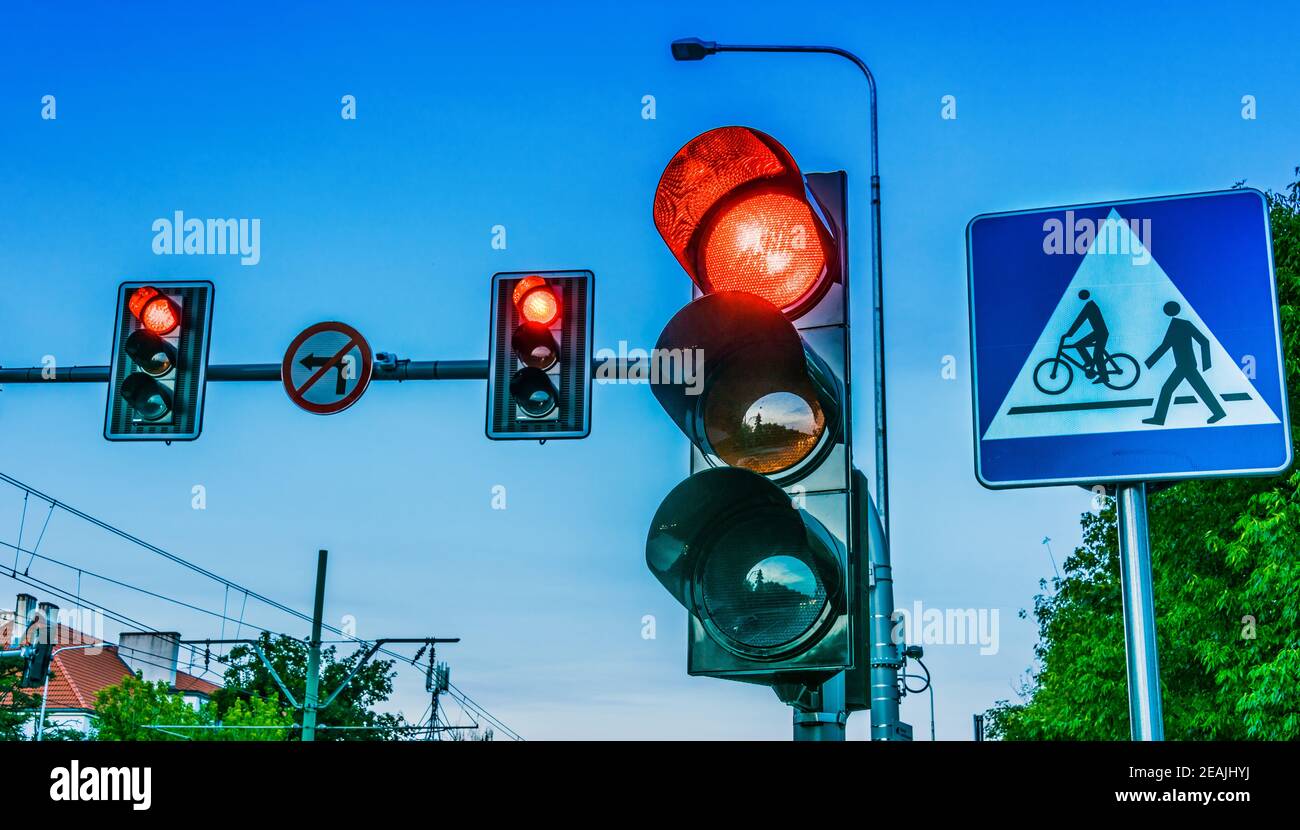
(329, 364)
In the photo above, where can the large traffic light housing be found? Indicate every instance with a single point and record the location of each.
(157, 379)
(759, 543)
(539, 355)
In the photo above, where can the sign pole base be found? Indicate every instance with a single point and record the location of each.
(1146, 719)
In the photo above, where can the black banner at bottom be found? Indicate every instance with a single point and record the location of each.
(295, 779)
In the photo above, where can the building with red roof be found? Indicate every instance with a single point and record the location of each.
(77, 674)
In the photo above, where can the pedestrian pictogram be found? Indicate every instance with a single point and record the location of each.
(327, 368)
(1144, 346)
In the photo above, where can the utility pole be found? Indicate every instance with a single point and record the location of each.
(313, 653)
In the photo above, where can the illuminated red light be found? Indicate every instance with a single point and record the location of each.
(732, 208)
(155, 311)
(160, 315)
(536, 301)
(767, 245)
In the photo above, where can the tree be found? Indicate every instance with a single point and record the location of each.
(1227, 594)
(16, 706)
(133, 709)
(353, 707)
(139, 710)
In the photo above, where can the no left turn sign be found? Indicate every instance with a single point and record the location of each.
(327, 368)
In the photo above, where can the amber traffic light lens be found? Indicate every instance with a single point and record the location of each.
(750, 423)
(766, 244)
(535, 346)
(151, 353)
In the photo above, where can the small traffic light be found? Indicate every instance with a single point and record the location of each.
(37, 665)
(160, 357)
(759, 544)
(539, 355)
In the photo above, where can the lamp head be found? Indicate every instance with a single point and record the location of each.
(693, 49)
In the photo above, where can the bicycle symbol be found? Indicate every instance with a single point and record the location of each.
(1054, 375)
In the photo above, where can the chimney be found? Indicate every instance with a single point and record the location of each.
(24, 610)
(152, 654)
(48, 614)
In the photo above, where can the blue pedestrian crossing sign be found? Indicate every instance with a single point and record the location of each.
(1127, 341)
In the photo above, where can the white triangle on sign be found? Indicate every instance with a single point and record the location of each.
(1131, 290)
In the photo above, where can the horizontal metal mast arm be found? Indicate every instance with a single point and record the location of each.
(400, 370)
(408, 370)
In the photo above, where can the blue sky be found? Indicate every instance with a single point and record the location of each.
(530, 118)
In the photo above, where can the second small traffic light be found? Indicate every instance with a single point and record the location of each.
(539, 355)
(160, 357)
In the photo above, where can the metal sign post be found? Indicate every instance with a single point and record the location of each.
(1146, 720)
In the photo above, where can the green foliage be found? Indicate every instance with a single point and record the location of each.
(1227, 593)
(16, 706)
(353, 707)
(126, 711)
(138, 710)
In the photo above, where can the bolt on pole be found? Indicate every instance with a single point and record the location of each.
(1146, 718)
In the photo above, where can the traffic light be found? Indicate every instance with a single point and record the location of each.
(539, 355)
(160, 358)
(40, 647)
(37, 665)
(759, 544)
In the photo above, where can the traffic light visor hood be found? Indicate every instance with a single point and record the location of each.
(732, 208)
(762, 577)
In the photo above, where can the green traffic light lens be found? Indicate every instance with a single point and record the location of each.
(760, 588)
(533, 392)
(150, 399)
(154, 355)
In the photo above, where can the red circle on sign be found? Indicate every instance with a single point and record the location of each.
(328, 363)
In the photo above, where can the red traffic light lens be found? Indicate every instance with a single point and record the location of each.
(160, 315)
(766, 244)
(536, 301)
(732, 207)
(156, 311)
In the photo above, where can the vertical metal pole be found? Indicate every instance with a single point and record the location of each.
(885, 661)
(878, 330)
(313, 653)
(45, 695)
(1146, 719)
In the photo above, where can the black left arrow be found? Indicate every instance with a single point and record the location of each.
(312, 362)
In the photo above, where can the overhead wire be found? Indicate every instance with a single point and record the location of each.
(453, 690)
